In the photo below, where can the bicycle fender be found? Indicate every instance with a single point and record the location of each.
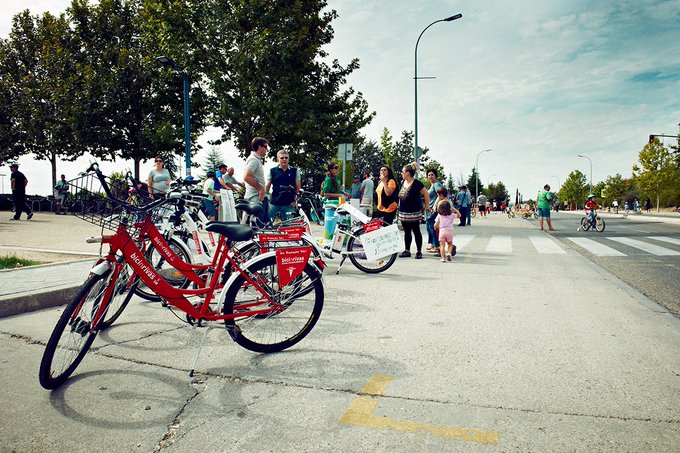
(101, 268)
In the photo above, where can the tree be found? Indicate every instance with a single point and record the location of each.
(449, 184)
(367, 157)
(657, 170)
(386, 148)
(496, 192)
(616, 187)
(575, 189)
(268, 74)
(128, 105)
(37, 67)
(212, 160)
(471, 182)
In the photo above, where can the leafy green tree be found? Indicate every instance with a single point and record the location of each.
(367, 157)
(449, 184)
(616, 187)
(657, 170)
(212, 160)
(265, 65)
(386, 148)
(575, 189)
(471, 183)
(496, 192)
(37, 67)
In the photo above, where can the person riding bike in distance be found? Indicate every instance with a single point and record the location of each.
(590, 207)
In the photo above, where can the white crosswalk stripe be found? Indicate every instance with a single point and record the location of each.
(461, 240)
(499, 244)
(646, 246)
(665, 239)
(595, 247)
(545, 245)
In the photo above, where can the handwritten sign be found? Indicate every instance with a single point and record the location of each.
(381, 242)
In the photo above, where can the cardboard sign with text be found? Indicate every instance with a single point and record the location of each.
(381, 242)
(290, 262)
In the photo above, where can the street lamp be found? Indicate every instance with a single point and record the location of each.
(591, 170)
(558, 182)
(416, 153)
(169, 63)
(477, 172)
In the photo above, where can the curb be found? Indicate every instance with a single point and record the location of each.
(37, 300)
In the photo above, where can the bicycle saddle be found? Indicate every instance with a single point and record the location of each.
(232, 231)
(251, 207)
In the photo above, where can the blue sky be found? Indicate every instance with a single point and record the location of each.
(538, 82)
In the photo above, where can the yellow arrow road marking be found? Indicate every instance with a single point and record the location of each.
(360, 413)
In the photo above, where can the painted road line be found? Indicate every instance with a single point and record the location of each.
(646, 246)
(461, 240)
(544, 244)
(595, 248)
(360, 413)
(499, 244)
(665, 239)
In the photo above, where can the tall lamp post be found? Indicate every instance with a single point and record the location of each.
(416, 153)
(477, 172)
(169, 63)
(591, 170)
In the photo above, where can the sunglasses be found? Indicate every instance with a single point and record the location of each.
(158, 160)
(284, 157)
(334, 168)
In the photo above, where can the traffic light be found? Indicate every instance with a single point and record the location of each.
(651, 139)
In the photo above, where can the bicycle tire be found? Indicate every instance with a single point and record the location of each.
(354, 245)
(599, 225)
(585, 223)
(73, 334)
(277, 330)
(473, 213)
(173, 278)
(126, 283)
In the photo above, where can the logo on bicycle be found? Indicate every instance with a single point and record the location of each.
(290, 262)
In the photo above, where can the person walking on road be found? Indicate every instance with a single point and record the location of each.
(446, 216)
(463, 201)
(543, 205)
(481, 204)
(615, 205)
(411, 210)
(19, 183)
(435, 185)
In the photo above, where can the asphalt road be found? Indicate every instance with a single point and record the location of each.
(655, 274)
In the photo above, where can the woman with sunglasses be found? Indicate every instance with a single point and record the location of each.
(159, 179)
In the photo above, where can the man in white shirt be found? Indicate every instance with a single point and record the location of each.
(254, 175)
(366, 189)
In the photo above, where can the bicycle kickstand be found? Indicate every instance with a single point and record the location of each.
(344, 257)
(200, 348)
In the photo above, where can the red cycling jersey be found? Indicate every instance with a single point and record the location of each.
(591, 205)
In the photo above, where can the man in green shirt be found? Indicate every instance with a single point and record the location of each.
(543, 205)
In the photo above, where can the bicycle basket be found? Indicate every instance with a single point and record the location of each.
(87, 200)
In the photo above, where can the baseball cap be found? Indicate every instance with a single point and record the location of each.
(14, 165)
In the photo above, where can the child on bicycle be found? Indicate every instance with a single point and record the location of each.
(590, 207)
(443, 224)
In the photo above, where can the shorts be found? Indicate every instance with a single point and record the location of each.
(482, 209)
(544, 212)
(445, 236)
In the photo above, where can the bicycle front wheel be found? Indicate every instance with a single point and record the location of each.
(73, 335)
(299, 306)
(359, 259)
(585, 223)
(599, 225)
(121, 295)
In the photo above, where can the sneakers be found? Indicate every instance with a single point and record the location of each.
(454, 251)
(29, 216)
(442, 260)
(448, 258)
(13, 219)
(419, 255)
(405, 254)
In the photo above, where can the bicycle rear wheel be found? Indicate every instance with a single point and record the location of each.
(171, 275)
(301, 302)
(358, 257)
(73, 334)
(599, 225)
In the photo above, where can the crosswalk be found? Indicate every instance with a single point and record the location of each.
(547, 245)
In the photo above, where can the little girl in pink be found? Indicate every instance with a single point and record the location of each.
(446, 215)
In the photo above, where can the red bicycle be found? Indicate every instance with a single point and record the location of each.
(268, 304)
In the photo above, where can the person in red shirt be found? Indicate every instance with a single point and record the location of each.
(590, 207)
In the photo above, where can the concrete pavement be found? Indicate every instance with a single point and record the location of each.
(504, 349)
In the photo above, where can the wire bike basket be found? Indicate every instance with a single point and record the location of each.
(88, 200)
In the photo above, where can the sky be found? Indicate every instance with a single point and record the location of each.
(537, 82)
